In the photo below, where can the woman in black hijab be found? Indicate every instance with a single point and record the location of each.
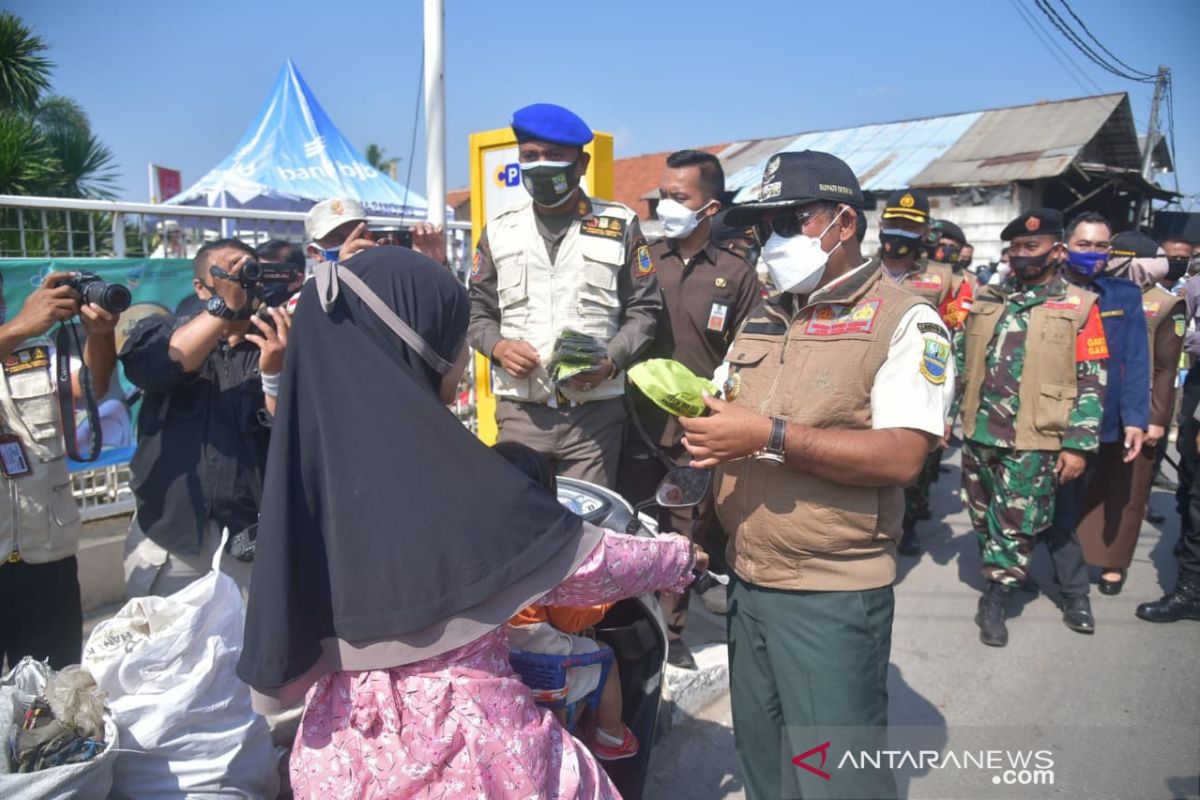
(393, 546)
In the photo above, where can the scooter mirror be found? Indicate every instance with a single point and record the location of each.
(683, 487)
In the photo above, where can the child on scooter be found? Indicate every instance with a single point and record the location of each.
(552, 630)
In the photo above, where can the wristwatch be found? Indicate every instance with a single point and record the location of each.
(215, 305)
(774, 453)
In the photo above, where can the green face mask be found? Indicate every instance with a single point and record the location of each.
(549, 183)
(672, 386)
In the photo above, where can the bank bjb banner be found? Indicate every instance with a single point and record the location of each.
(157, 286)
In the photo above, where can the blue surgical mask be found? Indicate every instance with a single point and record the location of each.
(1087, 265)
(330, 255)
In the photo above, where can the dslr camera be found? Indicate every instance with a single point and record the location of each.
(112, 297)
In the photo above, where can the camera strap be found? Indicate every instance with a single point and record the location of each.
(66, 402)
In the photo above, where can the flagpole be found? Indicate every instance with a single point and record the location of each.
(150, 180)
(435, 112)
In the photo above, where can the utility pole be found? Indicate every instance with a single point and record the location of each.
(1160, 85)
(435, 112)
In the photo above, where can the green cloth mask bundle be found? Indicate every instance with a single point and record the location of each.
(574, 353)
(672, 386)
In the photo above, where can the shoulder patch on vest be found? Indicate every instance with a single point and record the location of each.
(604, 227)
(476, 273)
(934, 357)
(1180, 325)
(838, 320)
(1151, 308)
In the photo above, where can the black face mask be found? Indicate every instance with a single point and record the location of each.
(549, 183)
(898, 245)
(1177, 267)
(275, 294)
(1030, 268)
(945, 253)
(962, 264)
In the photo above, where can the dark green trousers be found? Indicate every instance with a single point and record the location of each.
(807, 661)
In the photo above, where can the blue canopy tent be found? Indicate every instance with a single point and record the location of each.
(293, 157)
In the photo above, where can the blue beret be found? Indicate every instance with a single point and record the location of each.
(550, 123)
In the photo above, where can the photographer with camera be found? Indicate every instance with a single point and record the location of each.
(210, 383)
(40, 607)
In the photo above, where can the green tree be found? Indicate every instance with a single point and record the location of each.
(24, 71)
(375, 158)
(47, 146)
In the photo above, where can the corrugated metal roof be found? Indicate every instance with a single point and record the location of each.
(984, 147)
(1023, 143)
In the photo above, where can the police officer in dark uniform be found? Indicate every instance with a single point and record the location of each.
(708, 291)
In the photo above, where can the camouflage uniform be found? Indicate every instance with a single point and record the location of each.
(1009, 493)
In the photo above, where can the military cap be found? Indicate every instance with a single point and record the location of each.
(945, 229)
(792, 179)
(1132, 244)
(547, 122)
(909, 204)
(1036, 222)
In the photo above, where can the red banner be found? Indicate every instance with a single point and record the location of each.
(168, 182)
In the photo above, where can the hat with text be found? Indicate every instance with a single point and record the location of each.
(1036, 222)
(329, 215)
(792, 179)
(909, 204)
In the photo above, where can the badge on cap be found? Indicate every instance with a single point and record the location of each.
(907, 201)
(1032, 224)
(721, 283)
(337, 208)
(772, 165)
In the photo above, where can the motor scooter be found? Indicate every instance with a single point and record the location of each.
(634, 628)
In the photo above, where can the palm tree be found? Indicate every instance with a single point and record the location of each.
(375, 158)
(24, 71)
(46, 143)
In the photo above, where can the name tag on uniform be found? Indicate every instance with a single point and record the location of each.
(13, 461)
(717, 317)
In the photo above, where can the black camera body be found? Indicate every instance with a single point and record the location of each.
(112, 297)
(255, 272)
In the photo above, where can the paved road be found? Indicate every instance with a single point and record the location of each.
(1131, 677)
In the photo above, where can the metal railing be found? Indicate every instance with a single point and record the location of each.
(56, 227)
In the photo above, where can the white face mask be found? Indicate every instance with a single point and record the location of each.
(796, 264)
(677, 219)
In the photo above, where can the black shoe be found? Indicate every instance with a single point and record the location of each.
(1077, 613)
(678, 655)
(1183, 603)
(990, 617)
(909, 545)
(1113, 587)
(1154, 519)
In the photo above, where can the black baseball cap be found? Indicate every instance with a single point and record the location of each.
(909, 204)
(793, 179)
(1036, 222)
(1131, 244)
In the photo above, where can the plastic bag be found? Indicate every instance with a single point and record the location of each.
(167, 664)
(88, 781)
(672, 386)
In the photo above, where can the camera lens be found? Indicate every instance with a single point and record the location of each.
(112, 297)
(252, 271)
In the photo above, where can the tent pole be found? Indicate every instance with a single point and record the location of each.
(435, 112)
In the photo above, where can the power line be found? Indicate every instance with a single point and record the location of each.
(1049, 43)
(1092, 36)
(1061, 25)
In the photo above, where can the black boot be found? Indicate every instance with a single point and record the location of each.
(909, 545)
(1183, 603)
(990, 617)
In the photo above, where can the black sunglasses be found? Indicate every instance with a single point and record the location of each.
(787, 223)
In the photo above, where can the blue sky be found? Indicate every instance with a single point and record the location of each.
(177, 83)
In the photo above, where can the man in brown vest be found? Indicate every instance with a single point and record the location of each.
(904, 228)
(843, 366)
(1030, 414)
